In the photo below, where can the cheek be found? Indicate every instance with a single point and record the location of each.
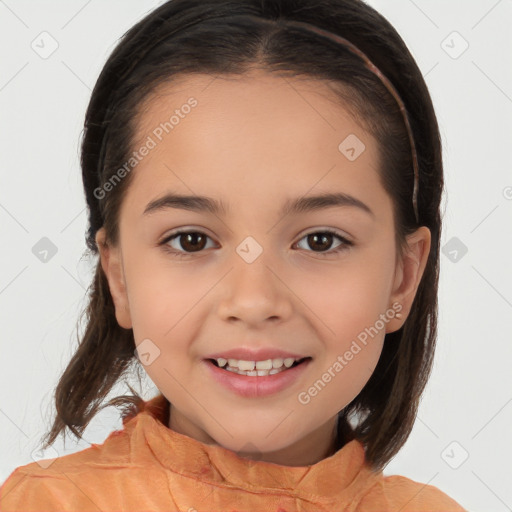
(348, 300)
(160, 295)
(349, 295)
(162, 301)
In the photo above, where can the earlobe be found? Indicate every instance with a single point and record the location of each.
(111, 263)
(410, 271)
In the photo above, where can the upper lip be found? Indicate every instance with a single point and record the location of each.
(247, 354)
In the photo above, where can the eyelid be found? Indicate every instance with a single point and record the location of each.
(309, 231)
(184, 230)
(325, 229)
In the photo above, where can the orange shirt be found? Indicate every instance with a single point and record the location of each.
(147, 466)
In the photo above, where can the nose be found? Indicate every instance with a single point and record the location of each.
(254, 293)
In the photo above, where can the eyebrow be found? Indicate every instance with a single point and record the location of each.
(291, 206)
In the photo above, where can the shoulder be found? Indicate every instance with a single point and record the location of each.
(65, 483)
(400, 493)
(31, 489)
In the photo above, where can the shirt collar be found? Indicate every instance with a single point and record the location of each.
(339, 475)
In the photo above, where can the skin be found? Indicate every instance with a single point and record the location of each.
(254, 142)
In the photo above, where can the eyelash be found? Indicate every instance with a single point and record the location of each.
(180, 254)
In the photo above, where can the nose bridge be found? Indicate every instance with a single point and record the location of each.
(253, 292)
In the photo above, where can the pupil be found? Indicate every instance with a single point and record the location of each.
(192, 236)
(312, 239)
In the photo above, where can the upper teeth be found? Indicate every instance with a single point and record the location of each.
(260, 365)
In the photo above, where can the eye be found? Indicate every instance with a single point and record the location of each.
(190, 241)
(195, 241)
(323, 239)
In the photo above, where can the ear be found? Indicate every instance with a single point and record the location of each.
(111, 262)
(408, 274)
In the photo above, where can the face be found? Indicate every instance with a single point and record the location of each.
(321, 282)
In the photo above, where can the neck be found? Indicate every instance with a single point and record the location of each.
(316, 446)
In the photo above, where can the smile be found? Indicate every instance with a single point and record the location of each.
(257, 368)
(257, 382)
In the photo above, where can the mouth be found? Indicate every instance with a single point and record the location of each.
(257, 379)
(269, 368)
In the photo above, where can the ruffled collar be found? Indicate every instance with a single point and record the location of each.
(342, 474)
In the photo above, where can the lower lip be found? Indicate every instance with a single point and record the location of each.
(256, 386)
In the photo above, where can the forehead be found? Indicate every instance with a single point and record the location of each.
(297, 97)
(217, 134)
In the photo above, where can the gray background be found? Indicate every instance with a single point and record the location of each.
(461, 442)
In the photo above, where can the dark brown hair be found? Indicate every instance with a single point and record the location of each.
(231, 37)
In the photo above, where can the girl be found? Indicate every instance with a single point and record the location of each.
(263, 181)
